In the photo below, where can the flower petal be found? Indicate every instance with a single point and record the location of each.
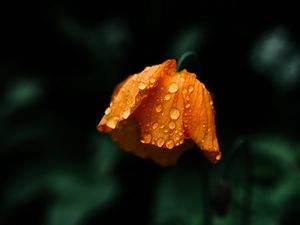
(127, 97)
(160, 115)
(199, 116)
(127, 136)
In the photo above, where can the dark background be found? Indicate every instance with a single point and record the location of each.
(60, 63)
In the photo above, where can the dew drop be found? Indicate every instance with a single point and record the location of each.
(172, 125)
(218, 157)
(202, 140)
(177, 138)
(160, 142)
(173, 87)
(126, 114)
(162, 126)
(152, 80)
(182, 79)
(154, 125)
(142, 86)
(112, 122)
(191, 88)
(174, 113)
(170, 144)
(146, 138)
(107, 111)
(158, 108)
(184, 91)
(203, 125)
(167, 97)
(188, 105)
(166, 130)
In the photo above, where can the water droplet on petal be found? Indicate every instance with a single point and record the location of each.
(154, 125)
(166, 130)
(107, 111)
(202, 140)
(188, 105)
(173, 87)
(167, 97)
(191, 88)
(184, 91)
(126, 114)
(218, 157)
(152, 80)
(112, 122)
(160, 142)
(174, 113)
(142, 86)
(203, 125)
(146, 138)
(182, 79)
(158, 108)
(172, 125)
(170, 144)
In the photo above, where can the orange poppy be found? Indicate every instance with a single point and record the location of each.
(160, 113)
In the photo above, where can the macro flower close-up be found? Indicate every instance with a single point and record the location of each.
(160, 113)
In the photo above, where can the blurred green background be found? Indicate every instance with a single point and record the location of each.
(61, 61)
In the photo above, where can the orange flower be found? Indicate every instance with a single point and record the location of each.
(159, 114)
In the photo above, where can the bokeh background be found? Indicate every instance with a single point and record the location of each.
(61, 61)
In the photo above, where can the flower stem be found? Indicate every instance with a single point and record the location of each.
(185, 56)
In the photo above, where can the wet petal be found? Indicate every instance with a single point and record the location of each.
(199, 116)
(160, 115)
(127, 136)
(127, 97)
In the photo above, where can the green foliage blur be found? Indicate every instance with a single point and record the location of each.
(61, 62)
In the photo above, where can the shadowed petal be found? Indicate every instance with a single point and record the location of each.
(127, 136)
